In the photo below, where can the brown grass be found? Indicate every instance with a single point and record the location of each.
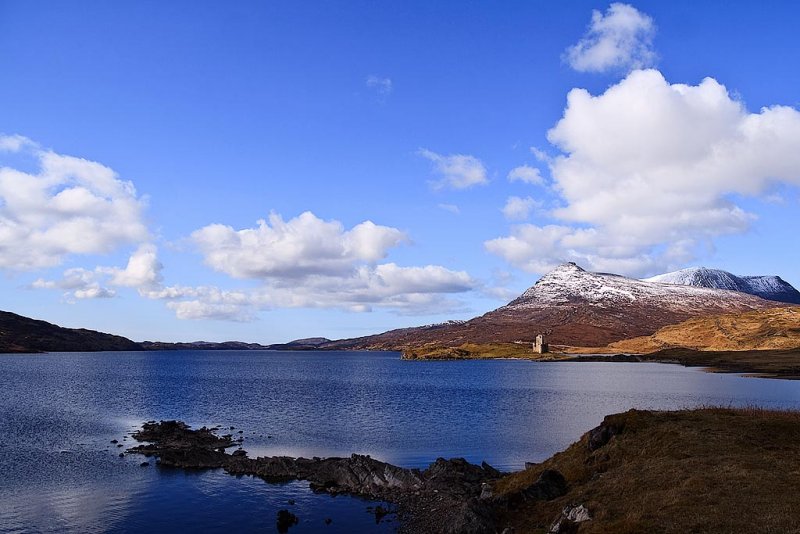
(705, 470)
(770, 329)
(766, 363)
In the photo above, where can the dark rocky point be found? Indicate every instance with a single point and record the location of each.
(451, 487)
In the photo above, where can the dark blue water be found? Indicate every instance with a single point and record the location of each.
(59, 412)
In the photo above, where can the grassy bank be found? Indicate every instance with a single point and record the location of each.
(765, 363)
(473, 351)
(705, 470)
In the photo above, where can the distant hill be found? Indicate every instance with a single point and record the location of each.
(573, 307)
(766, 287)
(298, 344)
(22, 334)
(770, 329)
(309, 343)
(201, 345)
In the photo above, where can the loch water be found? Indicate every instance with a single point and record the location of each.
(60, 472)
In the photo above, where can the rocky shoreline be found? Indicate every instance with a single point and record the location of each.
(715, 470)
(450, 496)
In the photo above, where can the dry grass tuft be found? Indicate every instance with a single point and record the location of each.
(705, 470)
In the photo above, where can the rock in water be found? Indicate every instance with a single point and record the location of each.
(285, 520)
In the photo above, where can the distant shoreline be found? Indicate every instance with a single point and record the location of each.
(782, 364)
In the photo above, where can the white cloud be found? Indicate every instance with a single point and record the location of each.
(541, 155)
(299, 247)
(304, 262)
(77, 283)
(69, 206)
(458, 171)
(14, 143)
(143, 272)
(452, 208)
(648, 175)
(409, 290)
(518, 208)
(307, 262)
(526, 174)
(620, 39)
(381, 85)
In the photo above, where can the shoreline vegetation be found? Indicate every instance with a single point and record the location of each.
(700, 470)
(783, 364)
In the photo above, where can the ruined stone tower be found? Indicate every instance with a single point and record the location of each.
(539, 346)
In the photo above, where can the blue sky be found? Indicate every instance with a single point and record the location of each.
(394, 128)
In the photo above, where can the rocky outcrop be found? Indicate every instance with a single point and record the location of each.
(599, 436)
(442, 498)
(569, 520)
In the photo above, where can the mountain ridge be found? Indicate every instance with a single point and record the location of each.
(572, 306)
(769, 287)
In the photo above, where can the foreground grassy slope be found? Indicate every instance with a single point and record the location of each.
(706, 470)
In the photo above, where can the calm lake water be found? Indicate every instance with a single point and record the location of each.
(59, 412)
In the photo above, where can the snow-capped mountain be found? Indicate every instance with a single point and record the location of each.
(568, 283)
(766, 287)
(576, 307)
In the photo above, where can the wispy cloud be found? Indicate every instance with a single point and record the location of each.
(452, 208)
(381, 85)
(518, 209)
(620, 39)
(526, 174)
(457, 171)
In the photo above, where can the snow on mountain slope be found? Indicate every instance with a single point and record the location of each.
(575, 307)
(569, 283)
(766, 287)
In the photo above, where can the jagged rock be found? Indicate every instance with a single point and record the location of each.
(568, 521)
(548, 486)
(471, 517)
(486, 491)
(601, 435)
(490, 470)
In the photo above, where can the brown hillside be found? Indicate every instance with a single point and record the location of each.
(770, 329)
